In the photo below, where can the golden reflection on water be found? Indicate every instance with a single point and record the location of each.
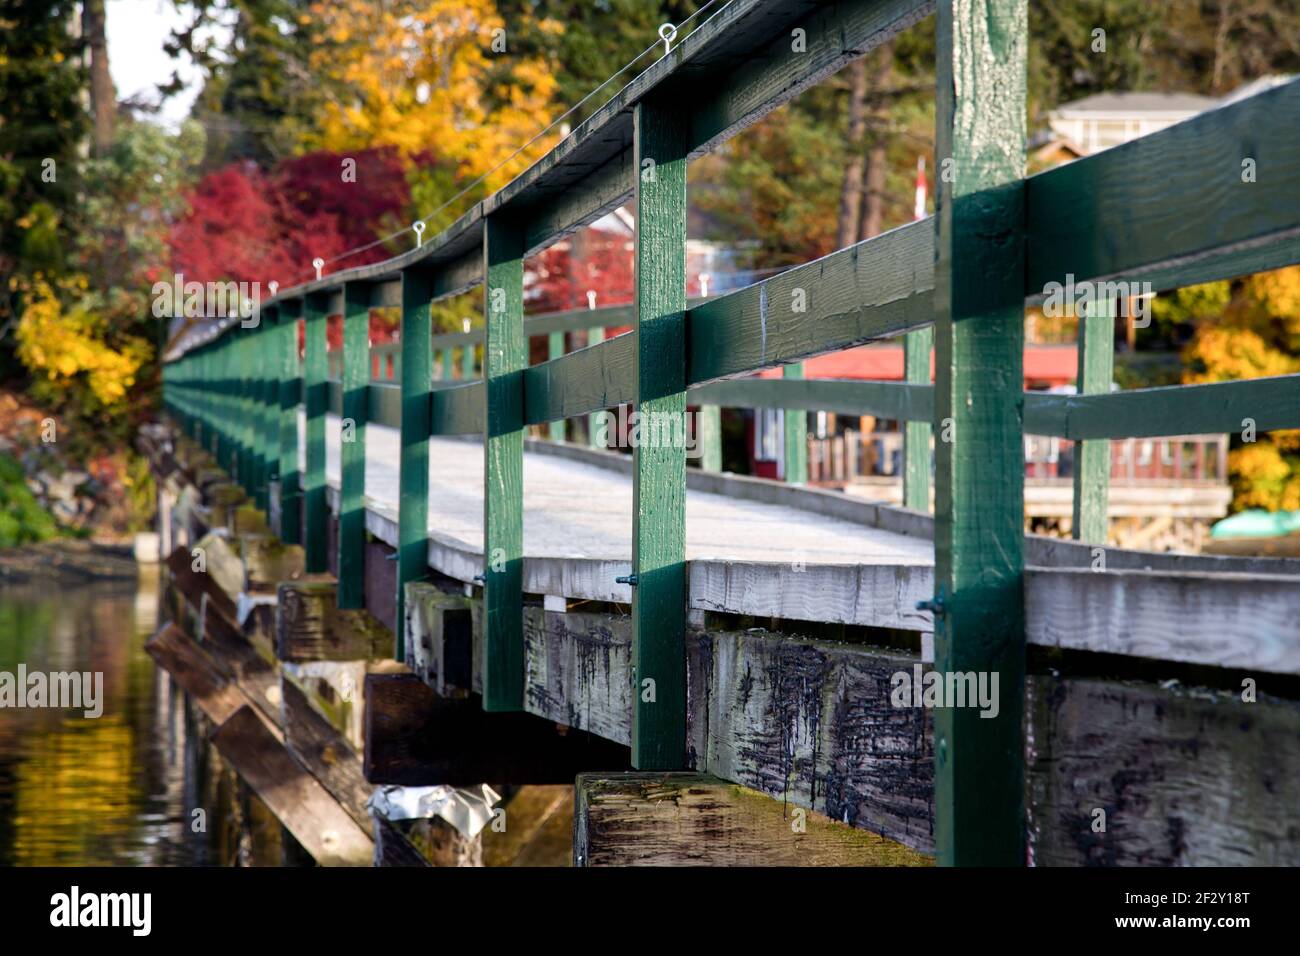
(79, 791)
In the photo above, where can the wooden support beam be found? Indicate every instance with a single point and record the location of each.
(690, 819)
(979, 475)
(352, 445)
(196, 585)
(1183, 777)
(198, 675)
(296, 798)
(413, 469)
(917, 346)
(1092, 457)
(795, 422)
(504, 358)
(287, 315)
(660, 145)
(316, 744)
(440, 634)
(315, 396)
(416, 738)
(310, 626)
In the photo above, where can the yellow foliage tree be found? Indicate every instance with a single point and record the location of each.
(71, 352)
(1257, 335)
(438, 75)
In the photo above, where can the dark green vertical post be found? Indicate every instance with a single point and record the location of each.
(287, 315)
(555, 349)
(246, 352)
(709, 436)
(505, 355)
(795, 428)
(413, 471)
(352, 445)
(268, 406)
(916, 435)
(1092, 458)
(979, 465)
(595, 334)
(660, 145)
(316, 398)
(467, 362)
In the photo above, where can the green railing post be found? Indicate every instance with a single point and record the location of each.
(505, 356)
(595, 420)
(287, 315)
(660, 147)
(555, 349)
(316, 398)
(467, 362)
(916, 435)
(795, 428)
(981, 48)
(352, 445)
(1092, 458)
(709, 436)
(246, 355)
(413, 470)
(268, 407)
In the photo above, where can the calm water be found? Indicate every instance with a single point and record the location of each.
(110, 791)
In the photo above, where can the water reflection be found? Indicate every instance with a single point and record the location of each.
(111, 791)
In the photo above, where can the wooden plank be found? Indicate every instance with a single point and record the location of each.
(505, 357)
(310, 626)
(321, 748)
(899, 400)
(352, 486)
(1236, 621)
(578, 671)
(315, 397)
(979, 474)
(457, 410)
(596, 377)
(413, 470)
(296, 798)
(691, 819)
(796, 434)
(196, 585)
(1092, 458)
(287, 315)
(416, 738)
(196, 672)
(659, 468)
(1164, 207)
(384, 404)
(381, 583)
(812, 722)
(441, 631)
(1216, 407)
(917, 346)
(1184, 777)
(877, 288)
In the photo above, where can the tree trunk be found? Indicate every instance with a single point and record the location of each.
(103, 98)
(851, 188)
(872, 220)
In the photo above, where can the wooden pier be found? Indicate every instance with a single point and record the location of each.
(713, 658)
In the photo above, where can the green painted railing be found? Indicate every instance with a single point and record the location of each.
(1171, 209)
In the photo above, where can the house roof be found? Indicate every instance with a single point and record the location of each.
(1050, 364)
(1138, 102)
